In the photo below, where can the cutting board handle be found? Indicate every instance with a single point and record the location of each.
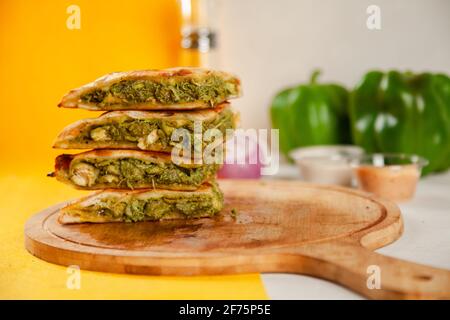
(374, 275)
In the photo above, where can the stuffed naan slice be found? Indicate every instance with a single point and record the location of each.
(145, 130)
(170, 89)
(130, 169)
(144, 205)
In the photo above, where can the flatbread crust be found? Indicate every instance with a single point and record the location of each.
(72, 99)
(68, 214)
(62, 167)
(66, 138)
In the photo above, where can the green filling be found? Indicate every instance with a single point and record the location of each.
(131, 173)
(211, 90)
(134, 209)
(149, 133)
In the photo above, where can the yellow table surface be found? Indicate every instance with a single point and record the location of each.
(23, 276)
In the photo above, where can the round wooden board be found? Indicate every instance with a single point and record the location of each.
(280, 226)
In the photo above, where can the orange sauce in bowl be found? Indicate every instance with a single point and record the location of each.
(395, 182)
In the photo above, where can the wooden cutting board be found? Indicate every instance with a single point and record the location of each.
(280, 226)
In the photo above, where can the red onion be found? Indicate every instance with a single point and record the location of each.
(247, 149)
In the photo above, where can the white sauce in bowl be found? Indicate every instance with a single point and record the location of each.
(326, 164)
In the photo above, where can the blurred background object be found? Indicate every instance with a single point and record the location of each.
(403, 112)
(243, 158)
(392, 176)
(311, 114)
(199, 33)
(327, 164)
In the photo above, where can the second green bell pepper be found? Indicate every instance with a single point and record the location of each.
(403, 113)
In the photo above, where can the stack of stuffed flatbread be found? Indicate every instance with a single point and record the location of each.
(131, 163)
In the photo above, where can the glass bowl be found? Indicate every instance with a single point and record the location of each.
(388, 175)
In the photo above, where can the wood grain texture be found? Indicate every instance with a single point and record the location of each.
(281, 226)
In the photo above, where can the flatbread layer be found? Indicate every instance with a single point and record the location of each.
(143, 205)
(130, 169)
(169, 89)
(145, 130)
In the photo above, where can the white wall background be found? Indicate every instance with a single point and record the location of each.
(271, 44)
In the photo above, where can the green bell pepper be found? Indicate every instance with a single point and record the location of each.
(403, 113)
(311, 114)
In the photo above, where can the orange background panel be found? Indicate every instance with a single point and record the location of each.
(41, 59)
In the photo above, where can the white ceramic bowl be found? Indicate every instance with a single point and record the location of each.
(327, 164)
